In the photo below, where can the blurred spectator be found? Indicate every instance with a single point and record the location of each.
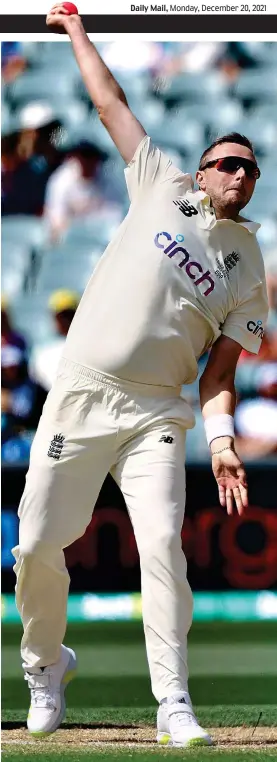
(135, 56)
(8, 335)
(40, 126)
(29, 157)
(268, 351)
(76, 188)
(45, 357)
(271, 278)
(13, 61)
(21, 398)
(272, 289)
(195, 56)
(256, 419)
(234, 59)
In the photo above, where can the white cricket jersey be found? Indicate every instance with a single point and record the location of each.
(170, 282)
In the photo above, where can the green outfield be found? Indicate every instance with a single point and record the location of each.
(111, 711)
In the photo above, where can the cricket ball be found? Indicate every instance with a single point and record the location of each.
(71, 8)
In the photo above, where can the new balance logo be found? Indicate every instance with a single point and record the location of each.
(185, 207)
(56, 446)
(167, 440)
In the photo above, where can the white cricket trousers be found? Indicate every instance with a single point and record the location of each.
(136, 432)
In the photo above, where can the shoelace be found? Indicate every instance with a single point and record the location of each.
(40, 693)
(185, 718)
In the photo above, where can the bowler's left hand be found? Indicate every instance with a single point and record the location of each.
(230, 475)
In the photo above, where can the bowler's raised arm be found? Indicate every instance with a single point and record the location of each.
(105, 92)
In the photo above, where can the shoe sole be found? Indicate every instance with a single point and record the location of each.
(68, 675)
(164, 739)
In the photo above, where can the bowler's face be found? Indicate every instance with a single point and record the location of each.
(228, 189)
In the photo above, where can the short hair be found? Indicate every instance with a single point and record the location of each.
(232, 137)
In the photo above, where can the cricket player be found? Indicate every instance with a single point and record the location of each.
(183, 274)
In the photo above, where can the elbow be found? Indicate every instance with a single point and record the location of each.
(224, 378)
(106, 109)
(101, 111)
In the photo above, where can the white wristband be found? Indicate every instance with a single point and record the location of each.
(221, 425)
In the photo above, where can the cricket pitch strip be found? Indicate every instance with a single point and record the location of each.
(136, 737)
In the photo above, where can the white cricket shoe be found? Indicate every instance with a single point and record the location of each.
(177, 724)
(47, 686)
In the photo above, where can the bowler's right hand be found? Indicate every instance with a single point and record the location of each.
(59, 19)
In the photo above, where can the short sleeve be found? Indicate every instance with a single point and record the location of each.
(246, 323)
(150, 166)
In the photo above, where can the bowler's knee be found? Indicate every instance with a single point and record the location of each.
(32, 548)
(163, 545)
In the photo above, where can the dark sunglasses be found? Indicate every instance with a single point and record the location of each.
(231, 164)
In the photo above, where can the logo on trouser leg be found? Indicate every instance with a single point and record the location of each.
(56, 446)
(167, 440)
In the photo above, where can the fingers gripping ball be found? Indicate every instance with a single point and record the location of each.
(58, 19)
(71, 8)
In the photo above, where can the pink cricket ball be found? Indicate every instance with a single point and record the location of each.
(71, 8)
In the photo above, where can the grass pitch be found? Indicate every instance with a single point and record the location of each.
(111, 711)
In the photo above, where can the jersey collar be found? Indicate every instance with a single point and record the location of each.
(210, 219)
(250, 225)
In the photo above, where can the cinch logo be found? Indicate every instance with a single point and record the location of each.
(193, 268)
(256, 328)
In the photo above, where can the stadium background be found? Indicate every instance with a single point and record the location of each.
(185, 94)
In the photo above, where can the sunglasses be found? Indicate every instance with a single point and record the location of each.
(231, 164)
